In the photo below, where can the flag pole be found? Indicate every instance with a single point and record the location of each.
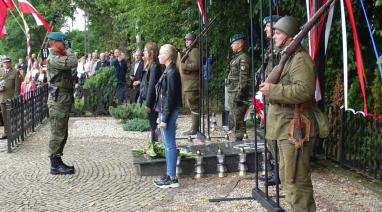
(18, 22)
(27, 34)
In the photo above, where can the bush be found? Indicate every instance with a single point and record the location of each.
(78, 105)
(126, 112)
(100, 90)
(103, 78)
(137, 125)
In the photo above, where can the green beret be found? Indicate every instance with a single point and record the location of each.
(57, 36)
(235, 37)
(268, 19)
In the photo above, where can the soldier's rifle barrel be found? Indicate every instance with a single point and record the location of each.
(275, 74)
(196, 40)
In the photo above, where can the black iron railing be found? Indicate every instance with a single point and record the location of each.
(24, 113)
(355, 141)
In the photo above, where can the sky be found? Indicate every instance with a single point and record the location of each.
(77, 24)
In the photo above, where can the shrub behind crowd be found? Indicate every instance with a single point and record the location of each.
(128, 112)
(98, 92)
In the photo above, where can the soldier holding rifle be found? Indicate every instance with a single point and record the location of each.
(190, 82)
(295, 86)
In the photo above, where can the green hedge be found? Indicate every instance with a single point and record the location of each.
(137, 124)
(127, 112)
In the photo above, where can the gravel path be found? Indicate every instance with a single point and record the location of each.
(106, 179)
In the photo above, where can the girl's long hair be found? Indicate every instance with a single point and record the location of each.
(152, 50)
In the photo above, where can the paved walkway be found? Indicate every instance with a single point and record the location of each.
(106, 179)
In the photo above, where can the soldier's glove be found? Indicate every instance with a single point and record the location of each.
(68, 44)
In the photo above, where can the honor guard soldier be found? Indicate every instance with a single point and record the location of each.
(238, 85)
(270, 61)
(296, 86)
(60, 62)
(190, 82)
(9, 87)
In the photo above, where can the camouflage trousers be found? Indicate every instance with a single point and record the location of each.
(299, 195)
(236, 116)
(271, 146)
(191, 99)
(58, 118)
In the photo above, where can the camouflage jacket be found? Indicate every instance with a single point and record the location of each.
(59, 69)
(239, 74)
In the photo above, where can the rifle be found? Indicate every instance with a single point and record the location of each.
(299, 130)
(194, 42)
(275, 75)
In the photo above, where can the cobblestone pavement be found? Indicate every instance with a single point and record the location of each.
(106, 179)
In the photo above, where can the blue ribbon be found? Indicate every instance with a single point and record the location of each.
(372, 38)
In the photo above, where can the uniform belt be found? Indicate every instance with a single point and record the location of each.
(305, 105)
(190, 72)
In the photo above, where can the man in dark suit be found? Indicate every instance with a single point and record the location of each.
(136, 75)
(120, 65)
(102, 62)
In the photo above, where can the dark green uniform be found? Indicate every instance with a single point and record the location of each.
(271, 144)
(238, 90)
(59, 74)
(11, 83)
(297, 85)
(190, 85)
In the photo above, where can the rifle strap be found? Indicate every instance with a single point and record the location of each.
(299, 127)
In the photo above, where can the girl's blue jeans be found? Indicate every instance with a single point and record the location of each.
(168, 138)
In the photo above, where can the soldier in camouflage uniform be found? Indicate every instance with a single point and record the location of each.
(269, 62)
(59, 64)
(190, 83)
(9, 87)
(238, 85)
(296, 86)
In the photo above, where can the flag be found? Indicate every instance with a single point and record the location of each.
(26, 8)
(9, 4)
(3, 18)
(202, 12)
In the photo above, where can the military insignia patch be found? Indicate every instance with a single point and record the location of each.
(242, 68)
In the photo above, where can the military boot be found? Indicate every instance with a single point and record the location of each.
(58, 167)
(273, 180)
(194, 127)
(62, 162)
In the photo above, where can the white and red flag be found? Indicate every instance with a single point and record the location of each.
(9, 4)
(202, 11)
(27, 8)
(3, 18)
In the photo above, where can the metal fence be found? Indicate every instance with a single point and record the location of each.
(24, 113)
(355, 141)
